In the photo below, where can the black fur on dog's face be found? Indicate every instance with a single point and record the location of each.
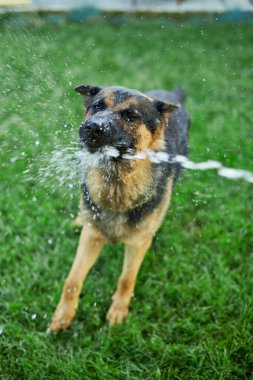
(122, 118)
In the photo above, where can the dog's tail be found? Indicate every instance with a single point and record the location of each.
(180, 94)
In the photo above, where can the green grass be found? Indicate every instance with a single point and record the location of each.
(192, 312)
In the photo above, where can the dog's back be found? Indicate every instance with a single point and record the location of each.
(177, 95)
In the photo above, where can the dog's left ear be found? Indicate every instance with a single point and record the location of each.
(165, 107)
(87, 90)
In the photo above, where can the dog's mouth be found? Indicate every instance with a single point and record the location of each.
(94, 146)
(109, 152)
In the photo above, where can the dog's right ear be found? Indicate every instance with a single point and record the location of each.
(87, 90)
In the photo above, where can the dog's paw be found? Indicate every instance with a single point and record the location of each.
(62, 317)
(117, 313)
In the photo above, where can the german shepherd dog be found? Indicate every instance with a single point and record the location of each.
(123, 199)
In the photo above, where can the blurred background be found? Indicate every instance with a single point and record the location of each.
(120, 10)
(149, 5)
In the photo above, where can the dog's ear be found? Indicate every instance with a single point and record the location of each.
(165, 107)
(87, 90)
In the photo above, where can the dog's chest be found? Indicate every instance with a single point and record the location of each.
(111, 223)
(114, 225)
(130, 210)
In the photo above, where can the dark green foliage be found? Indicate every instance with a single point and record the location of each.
(193, 306)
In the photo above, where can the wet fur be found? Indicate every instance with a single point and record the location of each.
(125, 200)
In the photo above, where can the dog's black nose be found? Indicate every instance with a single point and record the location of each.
(95, 130)
(96, 133)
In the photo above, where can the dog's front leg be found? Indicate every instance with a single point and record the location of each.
(134, 255)
(90, 245)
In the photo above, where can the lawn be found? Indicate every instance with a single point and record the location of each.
(192, 311)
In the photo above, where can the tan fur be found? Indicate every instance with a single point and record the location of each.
(123, 191)
(157, 142)
(90, 244)
(126, 104)
(134, 255)
(109, 99)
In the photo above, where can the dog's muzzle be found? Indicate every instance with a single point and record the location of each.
(96, 133)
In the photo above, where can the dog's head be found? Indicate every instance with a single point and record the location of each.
(124, 119)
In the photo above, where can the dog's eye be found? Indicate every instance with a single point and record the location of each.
(98, 106)
(129, 115)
